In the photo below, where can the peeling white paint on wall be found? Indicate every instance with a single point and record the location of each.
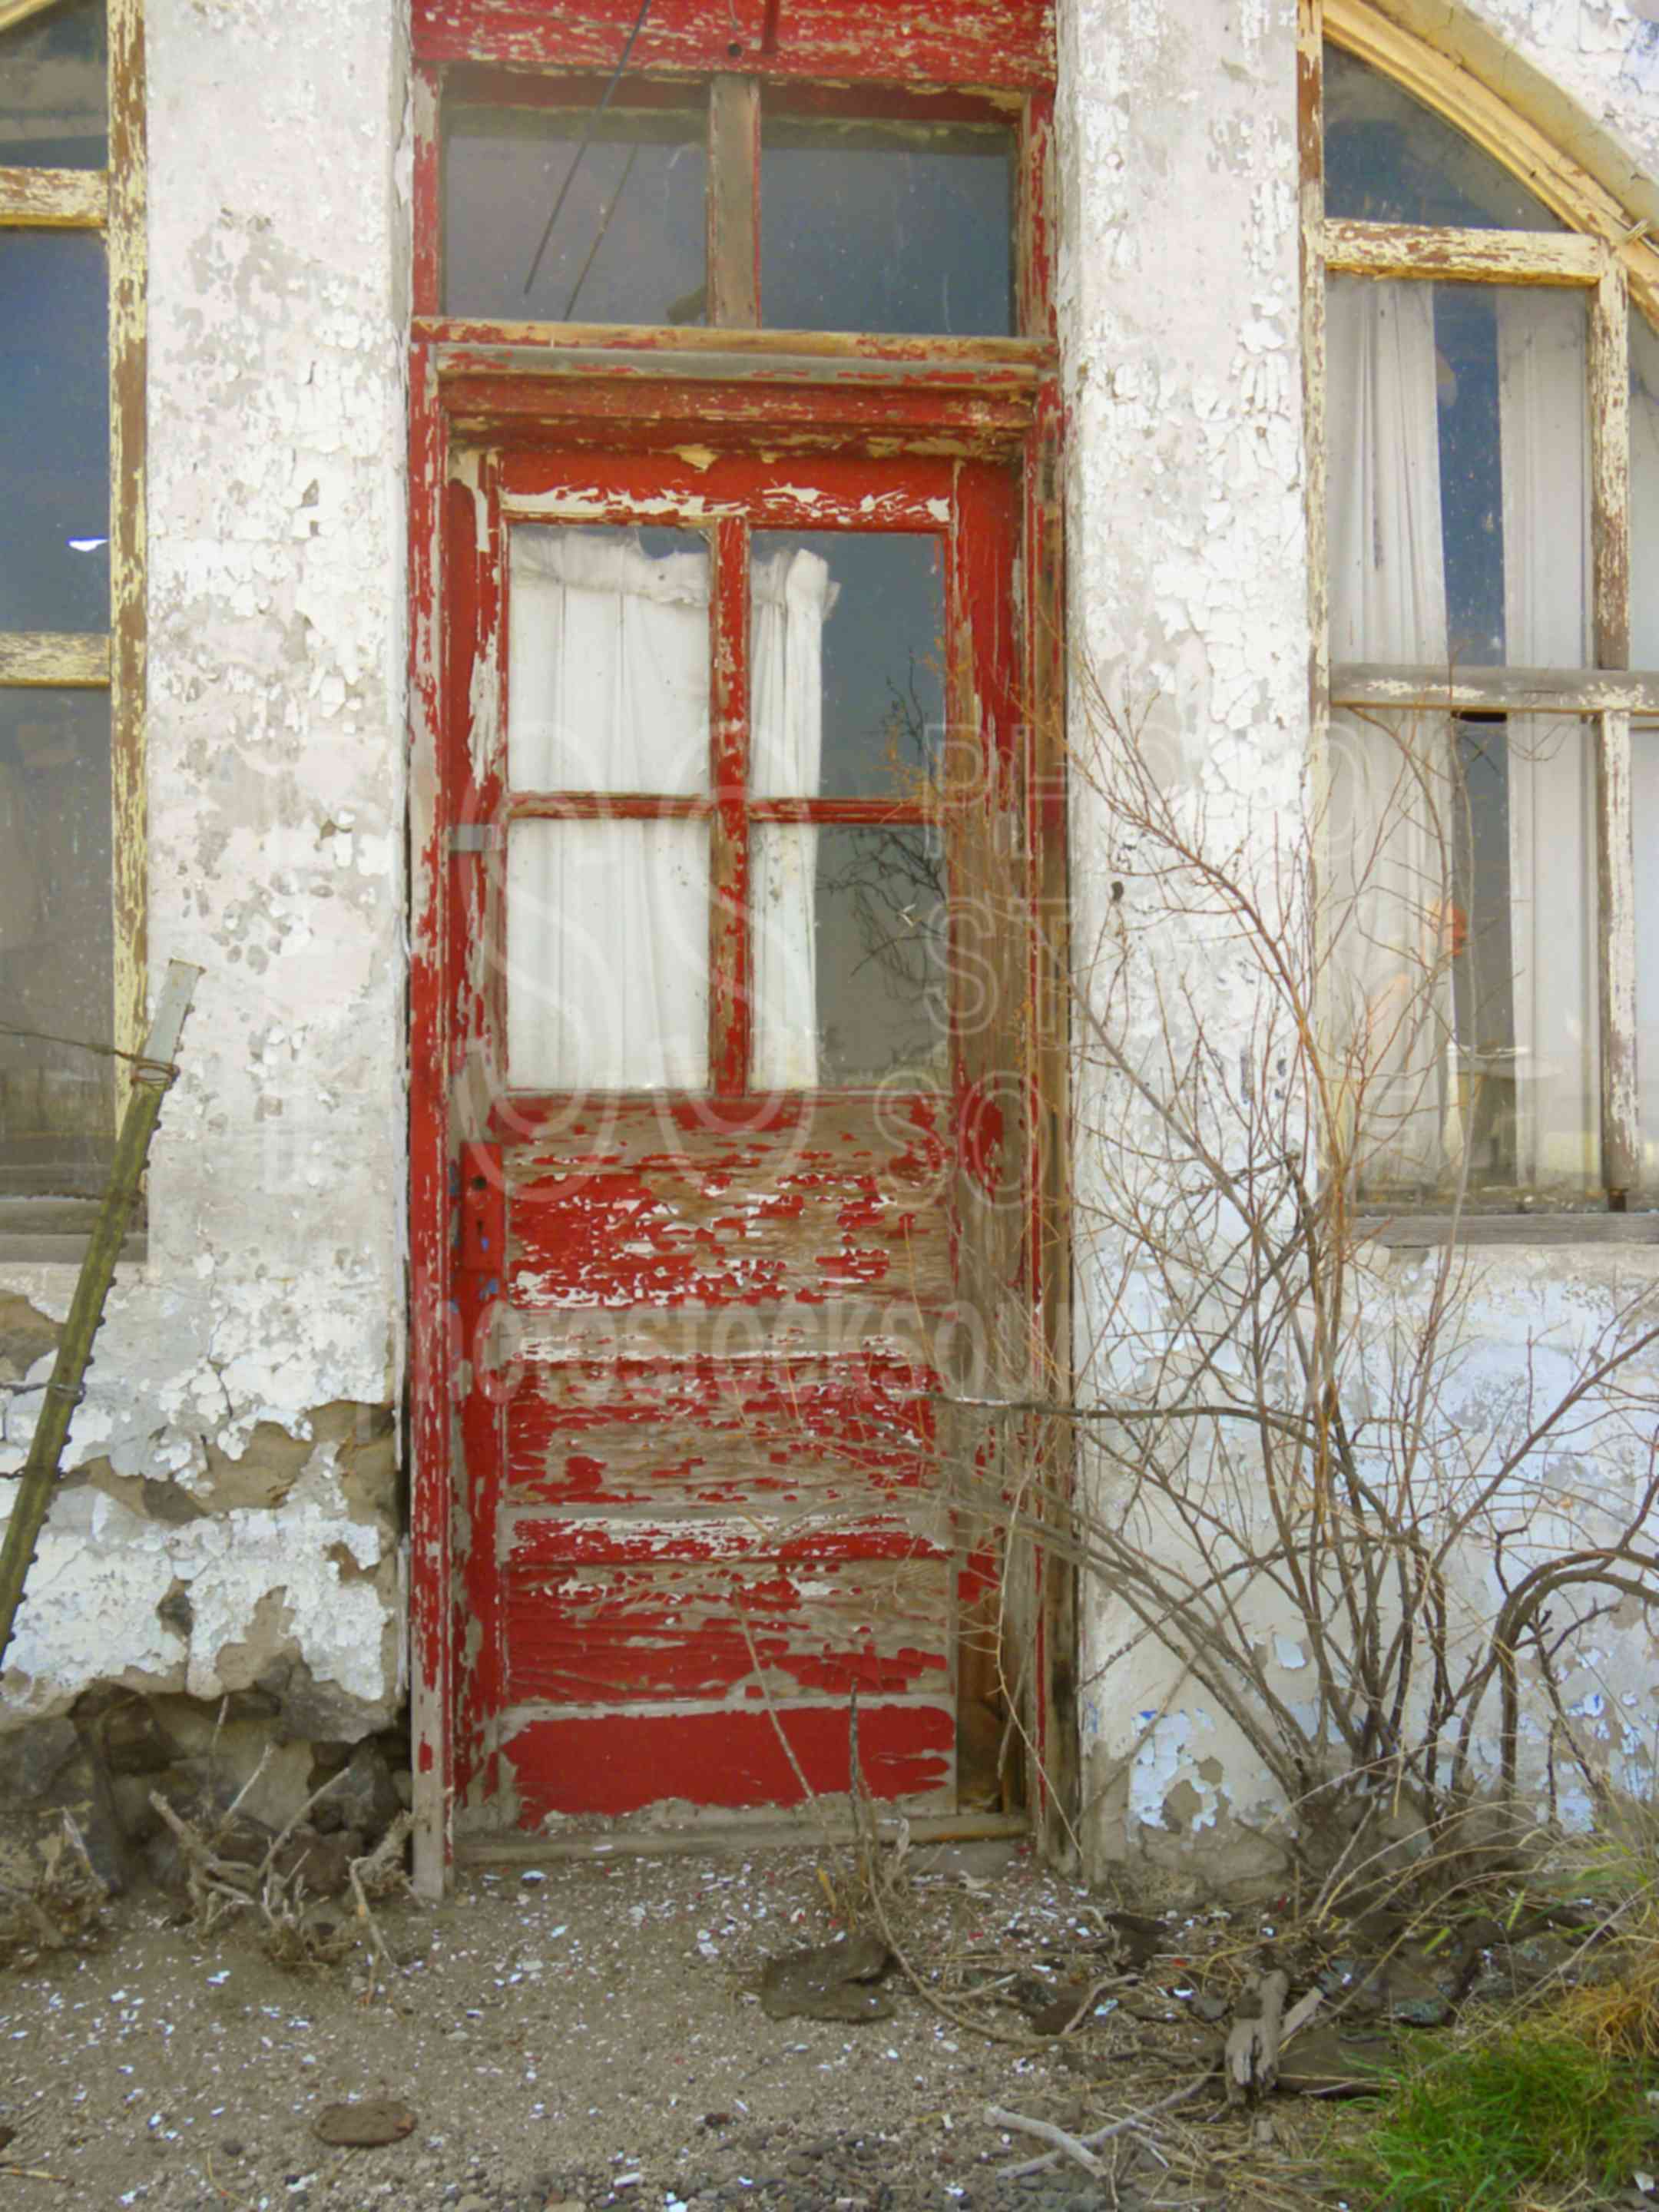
(278, 254)
(273, 1288)
(1178, 307)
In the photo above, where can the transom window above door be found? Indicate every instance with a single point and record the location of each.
(675, 202)
(723, 794)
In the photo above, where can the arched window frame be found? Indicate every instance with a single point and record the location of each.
(109, 203)
(1610, 254)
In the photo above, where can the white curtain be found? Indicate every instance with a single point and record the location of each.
(792, 597)
(1389, 820)
(1544, 431)
(607, 922)
(607, 664)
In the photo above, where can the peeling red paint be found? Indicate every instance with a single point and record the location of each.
(763, 1285)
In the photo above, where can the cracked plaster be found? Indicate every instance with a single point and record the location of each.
(273, 1286)
(1177, 298)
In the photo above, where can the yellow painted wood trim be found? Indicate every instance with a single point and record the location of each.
(1462, 256)
(1506, 132)
(53, 200)
(43, 656)
(127, 372)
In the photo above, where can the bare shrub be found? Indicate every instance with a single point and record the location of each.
(1278, 1428)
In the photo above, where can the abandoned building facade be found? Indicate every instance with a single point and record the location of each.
(814, 683)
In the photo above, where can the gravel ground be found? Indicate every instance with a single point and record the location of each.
(588, 2037)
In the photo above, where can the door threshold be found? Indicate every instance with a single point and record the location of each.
(926, 1828)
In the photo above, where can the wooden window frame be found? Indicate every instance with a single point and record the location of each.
(689, 390)
(1606, 255)
(111, 203)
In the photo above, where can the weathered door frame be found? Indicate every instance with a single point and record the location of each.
(476, 384)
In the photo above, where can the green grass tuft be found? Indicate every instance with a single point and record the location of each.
(1487, 2128)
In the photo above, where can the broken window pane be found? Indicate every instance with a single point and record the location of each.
(607, 955)
(628, 246)
(54, 432)
(901, 227)
(849, 957)
(1388, 159)
(57, 937)
(608, 660)
(54, 89)
(1461, 927)
(1644, 494)
(857, 622)
(1459, 474)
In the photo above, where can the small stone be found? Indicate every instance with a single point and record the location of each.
(473, 2202)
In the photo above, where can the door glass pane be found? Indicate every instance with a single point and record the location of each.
(1459, 489)
(903, 227)
(56, 940)
(608, 660)
(607, 949)
(847, 647)
(1644, 494)
(53, 89)
(1462, 927)
(54, 432)
(1388, 159)
(849, 957)
(628, 246)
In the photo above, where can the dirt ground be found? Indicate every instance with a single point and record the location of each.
(593, 2037)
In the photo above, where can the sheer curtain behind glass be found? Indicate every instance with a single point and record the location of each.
(607, 921)
(1547, 598)
(791, 597)
(1390, 815)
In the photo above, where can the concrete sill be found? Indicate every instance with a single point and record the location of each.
(53, 1232)
(1406, 1232)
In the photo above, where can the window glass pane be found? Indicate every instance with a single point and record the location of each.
(53, 89)
(628, 246)
(1388, 159)
(607, 947)
(54, 432)
(57, 973)
(847, 642)
(1459, 474)
(849, 960)
(886, 226)
(608, 660)
(1461, 928)
(1644, 755)
(1644, 494)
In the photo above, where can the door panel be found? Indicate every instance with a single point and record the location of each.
(709, 1326)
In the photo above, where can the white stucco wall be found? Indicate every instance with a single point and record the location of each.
(1188, 610)
(230, 1443)
(273, 1288)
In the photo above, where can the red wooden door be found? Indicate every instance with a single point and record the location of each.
(727, 726)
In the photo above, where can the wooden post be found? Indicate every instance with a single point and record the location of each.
(151, 1076)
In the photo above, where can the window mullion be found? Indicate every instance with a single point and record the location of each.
(79, 658)
(1616, 959)
(53, 200)
(730, 953)
(734, 202)
(1609, 411)
(127, 238)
